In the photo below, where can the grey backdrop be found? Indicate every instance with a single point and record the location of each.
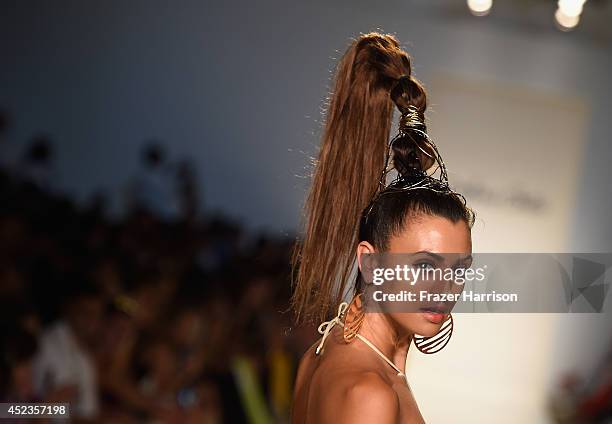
(238, 86)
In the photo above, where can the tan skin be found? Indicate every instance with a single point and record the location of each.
(350, 383)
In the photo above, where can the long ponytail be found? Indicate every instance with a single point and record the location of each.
(348, 169)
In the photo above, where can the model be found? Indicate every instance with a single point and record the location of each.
(356, 372)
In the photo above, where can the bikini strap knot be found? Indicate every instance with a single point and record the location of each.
(326, 327)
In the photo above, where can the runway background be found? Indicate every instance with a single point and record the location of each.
(234, 91)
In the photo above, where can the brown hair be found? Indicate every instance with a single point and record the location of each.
(372, 76)
(348, 168)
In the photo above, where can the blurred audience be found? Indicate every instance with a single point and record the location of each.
(168, 315)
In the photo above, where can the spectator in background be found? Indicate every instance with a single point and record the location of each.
(155, 189)
(188, 191)
(19, 348)
(6, 167)
(37, 165)
(64, 361)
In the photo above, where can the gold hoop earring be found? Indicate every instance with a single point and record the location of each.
(437, 342)
(353, 318)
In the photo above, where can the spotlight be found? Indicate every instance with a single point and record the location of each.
(571, 8)
(568, 13)
(565, 22)
(480, 7)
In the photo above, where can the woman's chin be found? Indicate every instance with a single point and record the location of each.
(429, 326)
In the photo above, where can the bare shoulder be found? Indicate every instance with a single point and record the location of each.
(364, 397)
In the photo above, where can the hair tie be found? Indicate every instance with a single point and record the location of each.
(412, 119)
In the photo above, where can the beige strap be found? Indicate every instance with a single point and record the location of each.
(382, 355)
(326, 327)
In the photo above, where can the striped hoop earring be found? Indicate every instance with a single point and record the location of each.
(353, 318)
(437, 342)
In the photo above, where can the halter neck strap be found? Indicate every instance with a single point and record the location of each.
(326, 327)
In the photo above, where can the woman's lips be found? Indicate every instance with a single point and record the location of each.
(435, 316)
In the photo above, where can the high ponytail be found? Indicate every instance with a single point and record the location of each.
(348, 169)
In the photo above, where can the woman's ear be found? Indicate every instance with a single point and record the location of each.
(364, 248)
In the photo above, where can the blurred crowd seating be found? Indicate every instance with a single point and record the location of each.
(142, 318)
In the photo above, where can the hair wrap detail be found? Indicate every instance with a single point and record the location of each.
(412, 118)
(422, 166)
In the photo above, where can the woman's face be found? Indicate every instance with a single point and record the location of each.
(432, 237)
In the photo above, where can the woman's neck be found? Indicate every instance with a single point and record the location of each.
(389, 339)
